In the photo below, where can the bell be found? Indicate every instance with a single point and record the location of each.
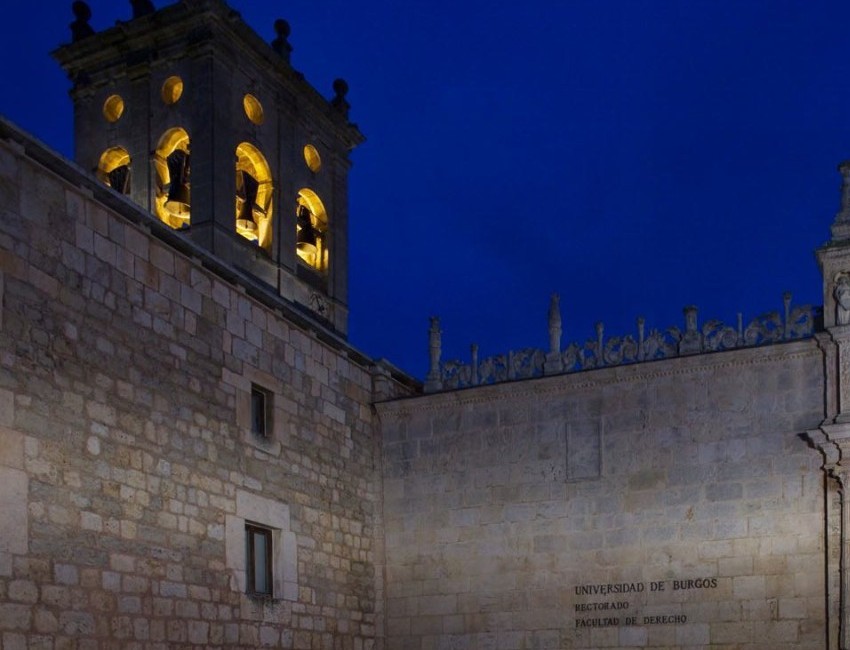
(246, 192)
(305, 239)
(119, 179)
(177, 202)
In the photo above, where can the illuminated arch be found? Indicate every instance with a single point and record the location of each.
(114, 169)
(311, 228)
(172, 199)
(254, 189)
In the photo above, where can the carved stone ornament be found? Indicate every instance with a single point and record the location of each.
(318, 304)
(841, 293)
(790, 324)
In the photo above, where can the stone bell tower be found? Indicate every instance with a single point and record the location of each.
(194, 117)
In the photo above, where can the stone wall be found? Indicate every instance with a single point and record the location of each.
(127, 465)
(664, 504)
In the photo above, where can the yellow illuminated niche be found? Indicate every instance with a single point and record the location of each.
(113, 108)
(254, 190)
(311, 227)
(114, 169)
(172, 90)
(253, 109)
(171, 160)
(312, 158)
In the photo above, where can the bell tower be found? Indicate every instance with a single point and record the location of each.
(188, 112)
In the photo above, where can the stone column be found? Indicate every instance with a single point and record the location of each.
(841, 336)
(843, 476)
(824, 440)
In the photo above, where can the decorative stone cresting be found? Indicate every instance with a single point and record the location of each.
(792, 323)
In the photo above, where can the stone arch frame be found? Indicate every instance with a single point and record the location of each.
(319, 225)
(250, 160)
(113, 169)
(174, 139)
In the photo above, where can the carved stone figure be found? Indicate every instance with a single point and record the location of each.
(841, 293)
(691, 342)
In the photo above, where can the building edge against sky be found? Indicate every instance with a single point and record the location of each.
(192, 454)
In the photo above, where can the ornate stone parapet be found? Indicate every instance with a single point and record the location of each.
(790, 323)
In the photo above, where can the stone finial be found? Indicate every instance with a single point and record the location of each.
(553, 364)
(841, 224)
(142, 8)
(473, 350)
(433, 381)
(786, 303)
(691, 342)
(554, 324)
(641, 327)
(691, 313)
(340, 91)
(600, 344)
(281, 43)
(80, 28)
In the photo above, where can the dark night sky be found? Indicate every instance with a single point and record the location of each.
(634, 156)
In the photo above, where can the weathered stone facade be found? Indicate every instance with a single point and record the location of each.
(648, 491)
(509, 508)
(128, 468)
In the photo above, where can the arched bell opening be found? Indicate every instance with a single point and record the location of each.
(172, 202)
(311, 227)
(254, 190)
(114, 169)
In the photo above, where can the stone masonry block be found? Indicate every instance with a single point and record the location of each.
(11, 442)
(14, 516)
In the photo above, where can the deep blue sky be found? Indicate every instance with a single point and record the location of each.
(634, 156)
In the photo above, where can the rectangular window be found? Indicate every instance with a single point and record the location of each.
(259, 560)
(260, 411)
